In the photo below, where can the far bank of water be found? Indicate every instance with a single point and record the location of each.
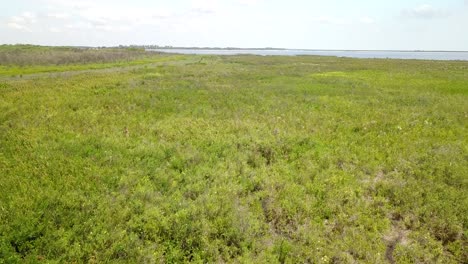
(419, 55)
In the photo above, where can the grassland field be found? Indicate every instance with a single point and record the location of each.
(124, 156)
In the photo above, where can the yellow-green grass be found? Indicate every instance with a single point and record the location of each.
(243, 159)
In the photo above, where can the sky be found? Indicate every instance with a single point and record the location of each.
(300, 24)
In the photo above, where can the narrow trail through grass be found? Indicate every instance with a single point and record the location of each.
(68, 71)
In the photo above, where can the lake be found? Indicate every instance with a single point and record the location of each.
(419, 55)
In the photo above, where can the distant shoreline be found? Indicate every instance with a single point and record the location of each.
(151, 47)
(362, 54)
(282, 49)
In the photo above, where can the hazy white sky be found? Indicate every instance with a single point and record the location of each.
(330, 24)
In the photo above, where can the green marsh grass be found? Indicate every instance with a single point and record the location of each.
(236, 159)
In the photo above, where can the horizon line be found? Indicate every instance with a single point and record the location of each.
(228, 48)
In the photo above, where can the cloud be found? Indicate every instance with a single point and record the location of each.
(205, 6)
(105, 15)
(17, 26)
(367, 20)
(17, 19)
(69, 5)
(55, 30)
(202, 11)
(425, 12)
(89, 16)
(31, 17)
(78, 26)
(251, 2)
(100, 12)
(329, 20)
(25, 17)
(59, 15)
(22, 22)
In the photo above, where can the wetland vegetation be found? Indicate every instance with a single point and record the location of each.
(133, 157)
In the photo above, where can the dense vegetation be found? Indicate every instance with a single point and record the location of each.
(235, 159)
(17, 60)
(26, 55)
